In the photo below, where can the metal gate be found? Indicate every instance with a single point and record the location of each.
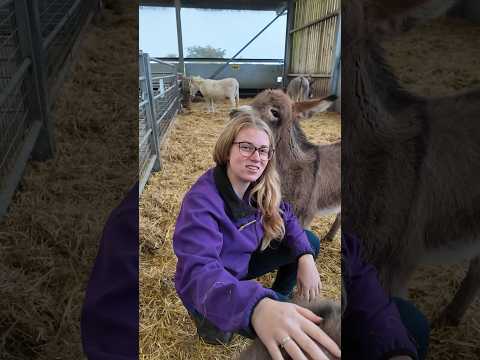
(159, 102)
(313, 43)
(36, 37)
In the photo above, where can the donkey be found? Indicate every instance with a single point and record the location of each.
(328, 310)
(411, 185)
(299, 88)
(310, 173)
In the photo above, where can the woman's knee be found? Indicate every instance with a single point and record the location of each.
(416, 323)
(314, 242)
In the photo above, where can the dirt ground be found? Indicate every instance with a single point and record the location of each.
(166, 331)
(436, 59)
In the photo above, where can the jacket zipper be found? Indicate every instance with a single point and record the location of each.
(245, 225)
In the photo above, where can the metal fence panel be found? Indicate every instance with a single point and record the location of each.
(35, 38)
(159, 102)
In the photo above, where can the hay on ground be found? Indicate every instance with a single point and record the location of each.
(49, 238)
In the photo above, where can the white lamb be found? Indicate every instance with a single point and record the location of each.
(217, 90)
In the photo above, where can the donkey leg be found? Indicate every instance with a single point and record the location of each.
(334, 228)
(454, 312)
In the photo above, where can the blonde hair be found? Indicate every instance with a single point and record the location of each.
(266, 189)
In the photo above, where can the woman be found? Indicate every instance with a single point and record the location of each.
(227, 234)
(374, 326)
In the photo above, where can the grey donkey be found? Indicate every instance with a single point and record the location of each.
(331, 324)
(411, 189)
(310, 173)
(299, 88)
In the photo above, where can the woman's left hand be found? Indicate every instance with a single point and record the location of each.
(308, 279)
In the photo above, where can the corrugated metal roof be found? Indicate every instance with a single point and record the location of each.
(221, 4)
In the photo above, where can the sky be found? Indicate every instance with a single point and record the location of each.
(226, 29)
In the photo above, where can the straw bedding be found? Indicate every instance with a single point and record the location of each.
(436, 59)
(166, 331)
(50, 236)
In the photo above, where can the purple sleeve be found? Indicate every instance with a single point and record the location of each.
(371, 317)
(109, 319)
(201, 280)
(295, 236)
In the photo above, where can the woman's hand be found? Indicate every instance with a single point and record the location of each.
(292, 327)
(308, 279)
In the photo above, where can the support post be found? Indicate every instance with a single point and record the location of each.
(181, 61)
(288, 42)
(32, 44)
(336, 58)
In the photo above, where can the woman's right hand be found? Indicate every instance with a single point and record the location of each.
(276, 321)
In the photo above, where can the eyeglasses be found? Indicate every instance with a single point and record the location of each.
(248, 149)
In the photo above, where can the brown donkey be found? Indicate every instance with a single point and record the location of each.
(310, 173)
(411, 183)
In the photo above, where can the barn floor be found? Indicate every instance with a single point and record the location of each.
(441, 58)
(49, 239)
(166, 331)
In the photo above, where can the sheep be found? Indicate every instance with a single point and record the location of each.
(216, 90)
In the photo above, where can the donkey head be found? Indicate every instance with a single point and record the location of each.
(280, 112)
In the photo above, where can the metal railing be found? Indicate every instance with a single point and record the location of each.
(36, 37)
(159, 102)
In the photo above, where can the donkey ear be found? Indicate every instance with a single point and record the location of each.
(303, 109)
(391, 17)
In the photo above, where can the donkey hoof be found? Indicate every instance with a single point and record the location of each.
(329, 237)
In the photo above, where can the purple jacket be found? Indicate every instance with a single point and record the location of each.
(215, 235)
(371, 319)
(109, 320)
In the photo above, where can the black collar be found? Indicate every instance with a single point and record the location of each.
(235, 207)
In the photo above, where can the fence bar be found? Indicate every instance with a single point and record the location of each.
(5, 3)
(151, 116)
(59, 26)
(17, 77)
(166, 111)
(8, 188)
(145, 138)
(149, 168)
(30, 31)
(164, 93)
(312, 75)
(163, 77)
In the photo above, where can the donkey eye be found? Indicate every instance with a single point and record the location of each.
(275, 113)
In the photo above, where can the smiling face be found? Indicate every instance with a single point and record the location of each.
(243, 169)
